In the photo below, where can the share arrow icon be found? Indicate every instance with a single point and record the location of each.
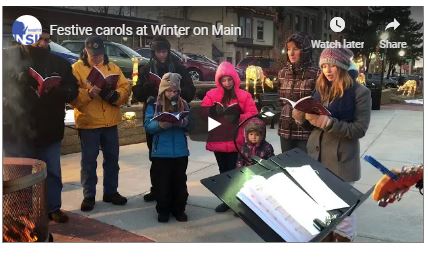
(393, 24)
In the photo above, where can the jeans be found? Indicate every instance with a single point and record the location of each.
(50, 154)
(91, 140)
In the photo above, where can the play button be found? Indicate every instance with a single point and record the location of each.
(212, 124)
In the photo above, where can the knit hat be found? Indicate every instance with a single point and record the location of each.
(159, 43)
(255, 124)
(340, 57)
(169, 80)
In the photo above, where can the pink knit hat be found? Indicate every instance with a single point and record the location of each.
(340, 57)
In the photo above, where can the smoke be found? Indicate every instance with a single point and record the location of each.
(15, 99)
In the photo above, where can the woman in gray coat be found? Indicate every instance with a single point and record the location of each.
(334, 141)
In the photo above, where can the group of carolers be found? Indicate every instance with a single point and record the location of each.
(333, 140)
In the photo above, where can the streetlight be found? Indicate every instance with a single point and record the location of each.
(384, 36)
(401, 53)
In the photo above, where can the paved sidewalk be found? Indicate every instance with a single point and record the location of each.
(394, 138)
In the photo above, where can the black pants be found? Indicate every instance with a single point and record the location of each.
(149, 141)
(169, 182)
(226, 161)
(288, 144)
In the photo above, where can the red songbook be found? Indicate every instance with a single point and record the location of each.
(98, 79)
(171, 117)
(44, 85)
(308, 105)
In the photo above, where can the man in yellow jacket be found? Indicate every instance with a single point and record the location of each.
(97, 114)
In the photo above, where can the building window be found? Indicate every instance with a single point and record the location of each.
(297, 22)
(246, 28)
(260, 29)
(305, 24)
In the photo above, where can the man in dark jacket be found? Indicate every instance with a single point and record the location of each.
(33, 120)
(147, 86)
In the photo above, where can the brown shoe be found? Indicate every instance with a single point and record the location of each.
(58, 216)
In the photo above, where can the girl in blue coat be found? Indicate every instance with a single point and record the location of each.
(169, 150)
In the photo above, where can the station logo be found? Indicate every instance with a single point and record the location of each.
(26, 29)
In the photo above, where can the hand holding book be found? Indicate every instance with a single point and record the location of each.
(320, 121)
(109, 95)
(298, 116)
(98, 79)
(171, 117)
(44, 85)
(308, 105)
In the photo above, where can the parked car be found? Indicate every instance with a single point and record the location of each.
(62, 52)
(198, 70)
(118, 53)
(265, 63)
(203, 58)
(387, 82)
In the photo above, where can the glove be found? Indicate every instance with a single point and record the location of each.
(109, 95)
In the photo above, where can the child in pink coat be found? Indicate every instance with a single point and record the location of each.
(227, 92)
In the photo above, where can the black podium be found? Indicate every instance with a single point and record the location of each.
(225, 186)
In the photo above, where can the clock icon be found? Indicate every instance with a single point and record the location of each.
(337, 24)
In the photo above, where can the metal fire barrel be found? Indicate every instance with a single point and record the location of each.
(24, 200)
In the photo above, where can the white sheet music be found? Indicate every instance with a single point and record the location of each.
(283, 206)
(310, 181)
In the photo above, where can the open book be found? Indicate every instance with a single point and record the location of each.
(171, 117)
(308, 105)
(232, 107)
(282, 205)
(44, 85)
(98, 79)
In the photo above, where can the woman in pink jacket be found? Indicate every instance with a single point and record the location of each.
(227, 93)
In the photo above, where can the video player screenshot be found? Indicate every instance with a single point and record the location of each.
(213, 124)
